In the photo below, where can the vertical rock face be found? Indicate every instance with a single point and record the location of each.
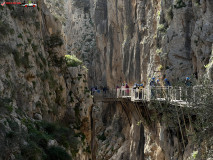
(135, 40)
(132, 41)
(118, 40)
(116, 134)
(38, 89)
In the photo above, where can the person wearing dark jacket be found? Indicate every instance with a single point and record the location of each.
(188, 83)
(166, 82)
(152, 84)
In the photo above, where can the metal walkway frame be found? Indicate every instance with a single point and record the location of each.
(182, 96)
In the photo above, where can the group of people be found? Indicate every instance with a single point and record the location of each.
(96, 89)
(166, 82)
(153, 83)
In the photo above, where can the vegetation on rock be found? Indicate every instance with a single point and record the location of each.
(72, 61)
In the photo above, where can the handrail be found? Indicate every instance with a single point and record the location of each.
(171, 94)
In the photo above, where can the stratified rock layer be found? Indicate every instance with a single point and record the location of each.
(136, 40)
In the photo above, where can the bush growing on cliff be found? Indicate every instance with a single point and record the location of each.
(17, 58)
(161, 28)
(56, 153)
(180, 4)
(54, 41)
(5, 29)
(39, 134)
(101, 137)
(72, 61)
(169, 14)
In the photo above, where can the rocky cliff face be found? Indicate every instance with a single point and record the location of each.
(132, 41)
(116, 132)
(135, 40)
(44, 103)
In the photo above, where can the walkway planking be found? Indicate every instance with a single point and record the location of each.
(181, 96)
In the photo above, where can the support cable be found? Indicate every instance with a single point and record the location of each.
(180, 128)
(185, 125)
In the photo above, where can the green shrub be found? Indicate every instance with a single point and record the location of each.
(180, 4)
(160, 68)
(25, 60)
(40, 132)
(19, 45)
(20, 14)
(5, 29)
(37, 25)
(9, 108)
(6, 103)
(159, 51)
(57, 61)
(40, 138)
(101, 137)
(72, 61)
(57, 153)
(161, 28)
(31, 151)
(17, 58)
(20, 36)
(35, 47)
(42, 58)
(54, 41)
(10, 134)
(29, 40)
(169, 14)
(81, 135)
(88, 150)
(11, 30)
(197, 2)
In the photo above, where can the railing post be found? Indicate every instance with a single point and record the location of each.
(193, 90)
(171, 92)
(149, 91)
(132, 95)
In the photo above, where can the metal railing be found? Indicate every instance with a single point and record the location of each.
(105, 94)
(175, 94)
(183, 95)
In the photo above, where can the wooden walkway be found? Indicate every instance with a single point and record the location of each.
(181, 96)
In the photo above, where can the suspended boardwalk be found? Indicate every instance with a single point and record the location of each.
(181, 96)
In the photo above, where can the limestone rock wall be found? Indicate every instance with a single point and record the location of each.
(134, 40)
(36, 84)
(116, 133)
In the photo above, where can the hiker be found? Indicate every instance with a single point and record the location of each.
(188, 83)
(166, 82)
(158, 89)
(104, 90)
(167, 85)
(141, 87)
(152, 84)
(158, 83)
(189, 91)
(135, 86)
(122, 89)
(127, 89)
(93, 90)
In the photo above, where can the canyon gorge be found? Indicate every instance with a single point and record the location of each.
(51, 55)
